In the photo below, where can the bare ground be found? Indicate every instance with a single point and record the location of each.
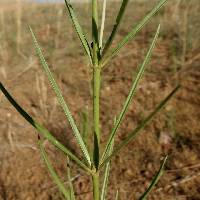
(175, 131)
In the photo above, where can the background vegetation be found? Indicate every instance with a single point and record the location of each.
(175, 131)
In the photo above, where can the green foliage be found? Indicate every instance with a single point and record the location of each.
(98, 56)
(131, 93)
(154, 181)
(54, 175)
(116, 25)
(79, 30)
(61, 99)
(42, 130)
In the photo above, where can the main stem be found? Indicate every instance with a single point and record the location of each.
(96, 95)
(95, 180)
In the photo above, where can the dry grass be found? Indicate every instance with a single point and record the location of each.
(176, 57)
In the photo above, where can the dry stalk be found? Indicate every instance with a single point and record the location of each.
(59, 17)
(18, 21)
(10, 135)
(177, 183)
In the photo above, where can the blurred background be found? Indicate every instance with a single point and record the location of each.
(175, 131)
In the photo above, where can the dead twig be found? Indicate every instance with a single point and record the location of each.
(176, 183)
(184, 168)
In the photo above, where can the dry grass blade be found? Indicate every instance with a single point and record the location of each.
(54, 175)
(140, 127)
(116, 25)
(109, 55)
(61, 99)
(155, 180)
(117, 195)
(42, 130)
(79, 30)
(131, 93)
(102, 24)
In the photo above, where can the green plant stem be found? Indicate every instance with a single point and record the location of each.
(96, 95)
(95, 180)
(97, 81)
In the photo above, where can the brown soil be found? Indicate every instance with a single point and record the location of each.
(175, 131)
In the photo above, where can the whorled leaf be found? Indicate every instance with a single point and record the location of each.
(53, 174)
(61, 99)
(140, 127)
(155, 180)
(131, 93)
(79, 30)
(42, 130)
(116, 25)
(110, 54)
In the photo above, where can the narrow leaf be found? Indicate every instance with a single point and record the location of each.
(155, 180)
(71, 188)
(95, 33)
(107, 173)
(132, 33)
(107, 170)
(102, 23)
(54, 175)
(79, 30)
(131, 93)
(140, 127)
(43, 131)
(61, 99)
(116, 25)
(85, 126)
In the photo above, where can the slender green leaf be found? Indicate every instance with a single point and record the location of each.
(107, 170)
(102, 23)
(71, 188)
(155, 180)
(61, 99)
(132, 33)
(54, 175)
(95, 33)
(107, 173)
(131, 93)
(140, 127)
(43, 131)
(116, 25)
(85, 126)
(79, 30)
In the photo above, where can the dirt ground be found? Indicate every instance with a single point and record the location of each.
(174, 131)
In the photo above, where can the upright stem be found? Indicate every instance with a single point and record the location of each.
(96, 95)
(95, 180)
